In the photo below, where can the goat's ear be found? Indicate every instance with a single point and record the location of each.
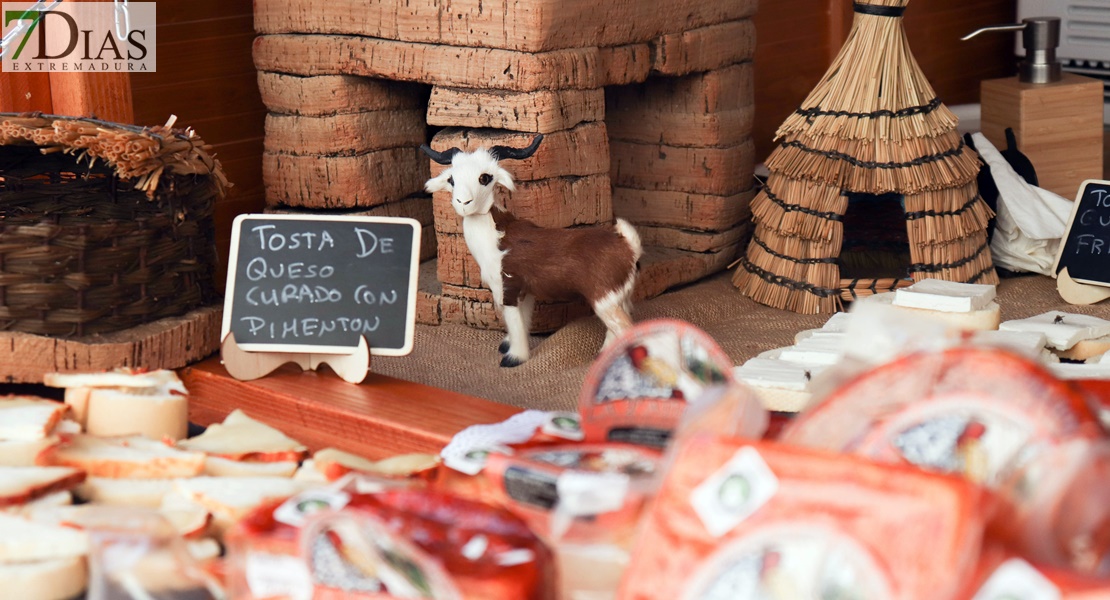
(502, 177)
(439, 183)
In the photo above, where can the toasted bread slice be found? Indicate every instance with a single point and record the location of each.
(20, 485)
(132, 457)
(23, 540)
(240, 437)
(216, 466)
(51, 579)
(24, 418)
(333, 464)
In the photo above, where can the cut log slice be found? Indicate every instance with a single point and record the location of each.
(345, 135)
(453, 66)
(336, 94)
(704, 49)
(581, 150)
(714, 171)
(698, 212)
(359, 181)
(555, 202)
(542, 111)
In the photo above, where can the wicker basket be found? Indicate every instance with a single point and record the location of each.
(103, 227)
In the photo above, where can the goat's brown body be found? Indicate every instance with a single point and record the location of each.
(561, 264)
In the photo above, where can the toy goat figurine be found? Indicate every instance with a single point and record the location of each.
(522, 262)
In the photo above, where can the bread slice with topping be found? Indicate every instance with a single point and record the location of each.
(20, 485)
(123, 457)
(240, 437)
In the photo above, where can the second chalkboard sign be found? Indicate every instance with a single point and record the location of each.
(1085, 249)
(316, 284)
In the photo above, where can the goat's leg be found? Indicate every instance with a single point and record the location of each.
(527, 304)
(615, 318)
(518, 337)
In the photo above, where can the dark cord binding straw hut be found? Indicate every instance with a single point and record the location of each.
(871, 187)
(103, 226)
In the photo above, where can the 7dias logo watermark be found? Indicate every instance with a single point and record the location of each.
(78, 37)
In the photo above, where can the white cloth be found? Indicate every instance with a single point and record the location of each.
(1031, 220)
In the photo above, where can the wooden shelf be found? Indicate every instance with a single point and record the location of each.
(381, 417)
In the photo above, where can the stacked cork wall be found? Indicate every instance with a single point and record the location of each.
(645, 106)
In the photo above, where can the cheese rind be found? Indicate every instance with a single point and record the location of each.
(117, 412)
(945, 296)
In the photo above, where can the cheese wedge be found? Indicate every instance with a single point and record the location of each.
(20, 485)
(156, 413)
(126, 457)
(240, 437)
(229, 499)
(50, 579)
(945, 296)
(215, 466)
(22, 453)
(24, 418)
(333, 464)
(1062, 330)
(24, 541)
(146, 493)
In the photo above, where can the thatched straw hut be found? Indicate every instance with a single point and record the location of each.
(871, 187)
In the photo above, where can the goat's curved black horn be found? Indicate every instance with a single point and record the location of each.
(443, 158)
(503, 152)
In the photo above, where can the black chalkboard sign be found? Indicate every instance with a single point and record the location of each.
(1085, 249)
(313, 284)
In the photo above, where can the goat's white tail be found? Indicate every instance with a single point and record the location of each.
(628, 232)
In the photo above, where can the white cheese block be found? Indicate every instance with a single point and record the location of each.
(1086, 349)
(1063, 330)
(52, 579)
(1080, 370)
(772, 373)
(819, 333)
(822, 351)
(22, 453)
(24, 541)
(985, 318)
(25, 418)
(1026, 343)
(155, 413)
(945, 296)
(838, 322)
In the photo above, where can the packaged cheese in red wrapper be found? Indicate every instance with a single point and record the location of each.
(586, 500)
(1058, 512)
(979, 412)
(484, 552)
(638, 389)
(1004, 575)
(738, 519)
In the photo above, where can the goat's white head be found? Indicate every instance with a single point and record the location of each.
(471, 177)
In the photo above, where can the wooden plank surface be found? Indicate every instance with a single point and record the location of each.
(26, 92)
(381, 417)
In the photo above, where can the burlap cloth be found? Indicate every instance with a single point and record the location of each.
(465, 360)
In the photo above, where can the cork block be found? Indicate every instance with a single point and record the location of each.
(344, 134)
(360, 181)
(704, 48)
(542, 111)
(531, 26)
(579, 151)
(694, 241)
(714, 171)
(336, 94)
(1057, 125)
(698, 212)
